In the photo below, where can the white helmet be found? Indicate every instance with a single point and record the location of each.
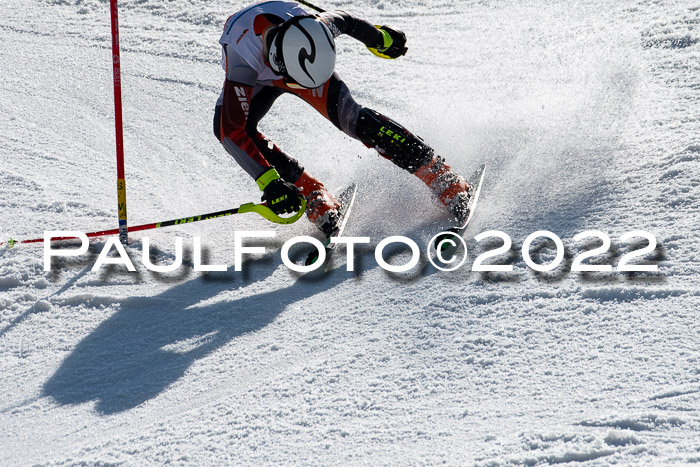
(303, 51)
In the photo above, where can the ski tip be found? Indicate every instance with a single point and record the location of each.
(311, 259)
(349, 192)
(478, 174)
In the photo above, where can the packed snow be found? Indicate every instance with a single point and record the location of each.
(587, 116)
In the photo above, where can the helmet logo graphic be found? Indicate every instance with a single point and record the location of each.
(305, 56)
(303, 51)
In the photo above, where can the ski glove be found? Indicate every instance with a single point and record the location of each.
(282, 197)
(394, 44)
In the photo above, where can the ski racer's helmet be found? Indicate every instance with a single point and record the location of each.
(303, 51)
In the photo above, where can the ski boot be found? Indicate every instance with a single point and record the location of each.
(448, 186)
(321, 206)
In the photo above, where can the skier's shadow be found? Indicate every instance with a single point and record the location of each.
(151, 341)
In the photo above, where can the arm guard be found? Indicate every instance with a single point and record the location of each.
(340, 22)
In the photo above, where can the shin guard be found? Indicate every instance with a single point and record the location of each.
(392, 141)
(411, 153)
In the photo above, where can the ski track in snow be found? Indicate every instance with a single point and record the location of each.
(587, 116)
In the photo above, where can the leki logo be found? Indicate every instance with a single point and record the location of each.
(281, 198)
(393, 135)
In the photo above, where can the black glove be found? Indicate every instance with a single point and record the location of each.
(394, 43)
(282, 197)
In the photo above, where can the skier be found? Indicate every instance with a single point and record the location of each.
(276, 47)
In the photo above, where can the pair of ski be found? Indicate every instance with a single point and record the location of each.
(444, 242)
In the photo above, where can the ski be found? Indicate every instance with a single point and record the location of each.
(447, 246)
(346, 200)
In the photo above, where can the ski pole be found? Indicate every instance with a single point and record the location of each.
(118, 125)
(260, 209)
(311, 5)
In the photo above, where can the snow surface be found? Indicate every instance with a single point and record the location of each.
(587, 115)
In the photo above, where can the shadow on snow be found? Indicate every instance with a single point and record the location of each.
(123, 363)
